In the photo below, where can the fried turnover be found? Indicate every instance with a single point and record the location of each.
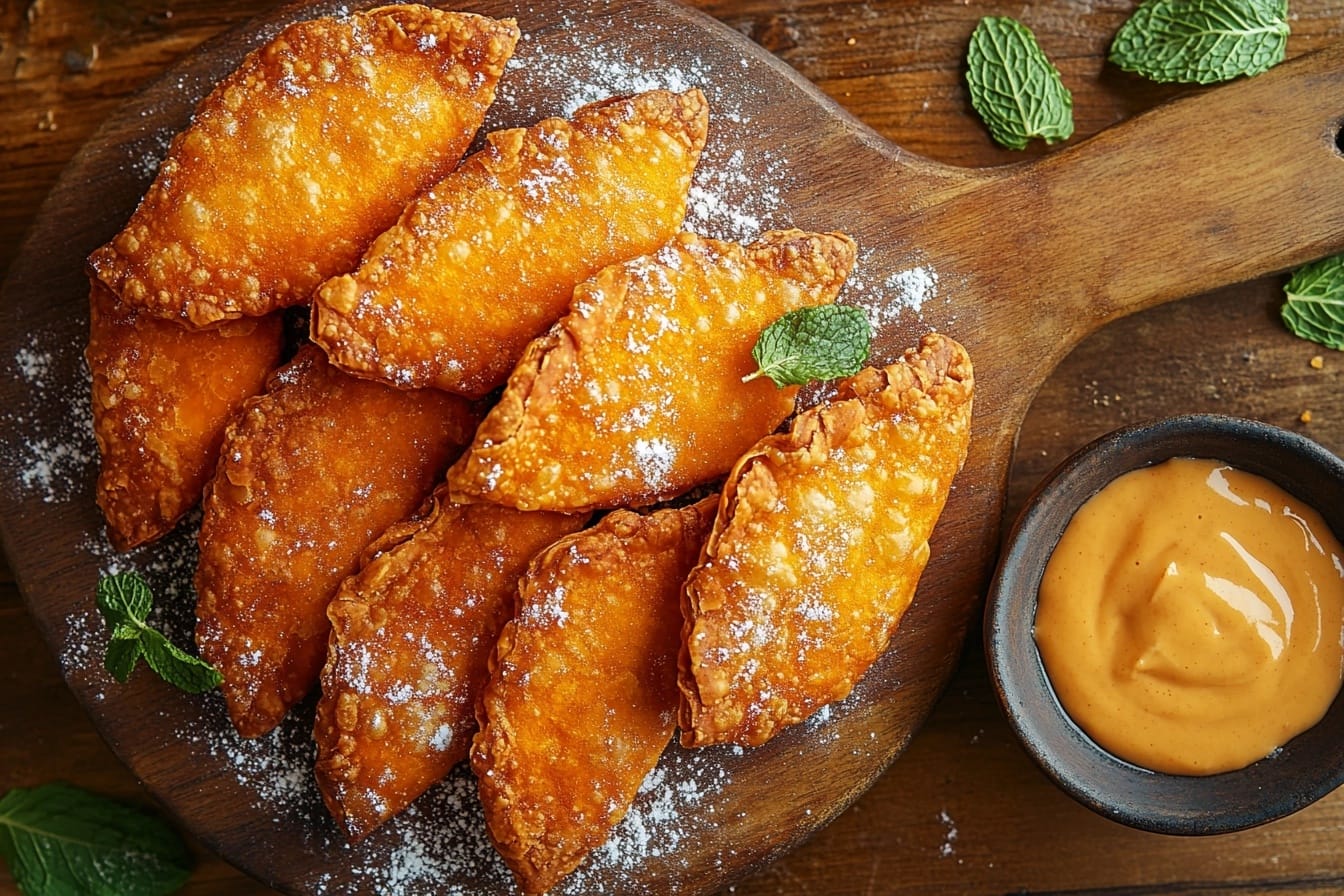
(820, 539)
(162, 396)
(488, 258)
(309, 474)
(411, 637)
(637, 393)
(301, 156)
(572, 722)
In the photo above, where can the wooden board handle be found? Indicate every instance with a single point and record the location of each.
(1243, 180)
(1236, 182)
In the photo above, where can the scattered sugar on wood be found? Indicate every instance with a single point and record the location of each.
(679, 802)
(57, 455)
(948, 847)
(887, 300)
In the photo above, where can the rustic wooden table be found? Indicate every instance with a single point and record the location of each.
(964, 810)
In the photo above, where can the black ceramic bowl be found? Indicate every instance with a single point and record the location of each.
(1301, 772)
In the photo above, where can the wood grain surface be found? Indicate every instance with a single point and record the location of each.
(963, 810)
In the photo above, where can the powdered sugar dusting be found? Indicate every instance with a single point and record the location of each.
(678, 803)
(655, 458)
(913, 287)
(34, 365)
(948, 847)
(437, 846)
(276, 768)
(735, 195)
(53, 428)
(886, 301)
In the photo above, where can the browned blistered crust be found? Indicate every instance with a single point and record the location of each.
(819, 542)
(310, 473)
(297, 159)
(161, 396)
(411, 637)
(582, 694)
(487, 258)
(636, 395)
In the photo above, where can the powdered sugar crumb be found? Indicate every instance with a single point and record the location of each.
(655, 458)
(896, 295)
(947, 848)
(85, 637)
(913, 287)
(34, 365)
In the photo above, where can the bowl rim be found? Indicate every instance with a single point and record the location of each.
(1261, 792)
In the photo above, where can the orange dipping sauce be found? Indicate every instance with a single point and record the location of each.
(1191, 618)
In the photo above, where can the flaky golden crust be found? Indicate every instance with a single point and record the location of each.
(820, 539)
(636, 395)
(296, 160)
(309, 474)
(582, 694)
(411, 637)
(161, 396)
(487, 259)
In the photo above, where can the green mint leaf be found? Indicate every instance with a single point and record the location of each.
(1202, 41)
(819, 343)
(125, 600)
(1014, 88)
(122, 655)
(176, 666)
(60, 840)
(1314, 308)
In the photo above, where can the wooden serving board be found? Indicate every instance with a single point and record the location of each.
(1018, 263)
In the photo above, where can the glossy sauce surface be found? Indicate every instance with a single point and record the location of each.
(1190, 618)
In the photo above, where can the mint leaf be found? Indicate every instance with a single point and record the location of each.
(1314, 308)
(59, 840)
(819, 343)
(176, 665)
(125, 600)
(122, 654)
(1014, 88)
(1202, 41)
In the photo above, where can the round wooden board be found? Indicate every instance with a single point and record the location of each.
(706, 816)
(780, 155)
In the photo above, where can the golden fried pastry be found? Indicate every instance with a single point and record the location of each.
(820, 539)
(301, 156)
(411, 637)
(309, 474)
(582, 694)
(488, 258)
(637, 394)
(162, 395)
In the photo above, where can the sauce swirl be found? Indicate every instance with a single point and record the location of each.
(1191, 617)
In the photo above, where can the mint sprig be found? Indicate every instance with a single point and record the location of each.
(818, 343)
(1314, 305)
(1014, 88)
(125, 600)
(1202, 41)
(59, 840)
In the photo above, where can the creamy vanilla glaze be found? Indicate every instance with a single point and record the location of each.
(1190, 619)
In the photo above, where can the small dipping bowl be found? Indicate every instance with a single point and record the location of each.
(1302, 771)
